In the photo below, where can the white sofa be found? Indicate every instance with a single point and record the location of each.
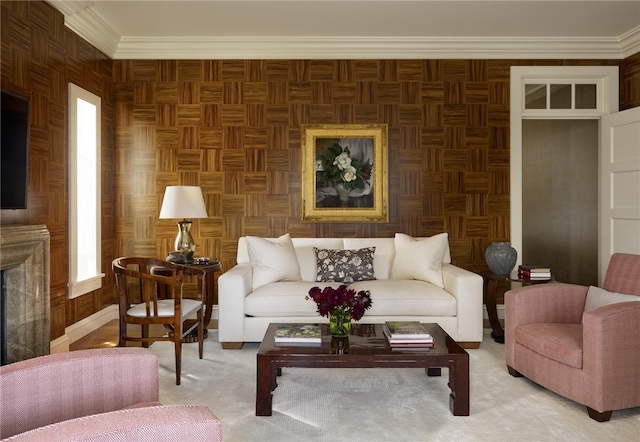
(245, 311)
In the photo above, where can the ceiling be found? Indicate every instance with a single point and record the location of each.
(308, 29)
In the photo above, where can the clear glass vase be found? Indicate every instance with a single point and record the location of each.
(340, 323)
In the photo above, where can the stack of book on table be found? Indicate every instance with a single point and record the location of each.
(298, 334)
(407, 335)
(534, 272)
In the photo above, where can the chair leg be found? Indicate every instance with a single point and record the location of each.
(200, 334)
(145, 334)
(123, 332)
(598, 416)
(178, 346)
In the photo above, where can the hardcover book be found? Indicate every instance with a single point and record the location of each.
(298, 333)
(406, 330)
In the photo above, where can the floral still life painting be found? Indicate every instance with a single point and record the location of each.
(344, 173)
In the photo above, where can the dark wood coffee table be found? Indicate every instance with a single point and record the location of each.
(366, 348)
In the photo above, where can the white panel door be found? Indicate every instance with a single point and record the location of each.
(619, 186)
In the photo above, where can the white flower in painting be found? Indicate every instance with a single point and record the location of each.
(319, 166)
(349, 174)
(343, 161)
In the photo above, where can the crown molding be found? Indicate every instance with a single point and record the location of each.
(630, 42)
(371, 48)
(80, 18)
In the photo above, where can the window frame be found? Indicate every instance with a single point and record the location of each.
(78, 287)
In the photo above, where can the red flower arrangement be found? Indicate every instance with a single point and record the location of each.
(341, 301)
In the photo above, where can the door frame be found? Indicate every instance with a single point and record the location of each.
(606, 77)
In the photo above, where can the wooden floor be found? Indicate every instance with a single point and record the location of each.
(107, 336)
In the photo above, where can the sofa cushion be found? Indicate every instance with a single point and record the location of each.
(560, 342)
(307, 256)
(382, 259)
(408, 297)
(273, 260)
(282, 299)
(419, 258)
(345, 265)
(597, 297)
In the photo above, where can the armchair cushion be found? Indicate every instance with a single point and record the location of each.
(159, 423)
(560, 342)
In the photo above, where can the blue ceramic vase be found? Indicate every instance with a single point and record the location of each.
(501, 258)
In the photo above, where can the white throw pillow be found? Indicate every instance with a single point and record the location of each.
(597, 297)
(272, 260)
(419, 258)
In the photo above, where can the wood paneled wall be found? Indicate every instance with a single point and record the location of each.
(630, 82)
(233, 127)
(40, 56)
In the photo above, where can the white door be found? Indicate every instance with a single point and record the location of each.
(619, 186)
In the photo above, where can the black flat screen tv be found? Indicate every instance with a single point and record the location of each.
(14, 151)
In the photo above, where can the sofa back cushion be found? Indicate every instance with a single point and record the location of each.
(345, 265)
(420, 258)
(307, 255)
(273, 260)
(382, 258)
(304, 252)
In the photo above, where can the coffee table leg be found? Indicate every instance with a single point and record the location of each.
(459, 384)
(434, 371)
(265, 381)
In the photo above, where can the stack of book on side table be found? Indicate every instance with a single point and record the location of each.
(534, 272)
(298, 334)
(407, 335)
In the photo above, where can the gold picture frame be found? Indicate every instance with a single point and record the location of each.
(344, 173)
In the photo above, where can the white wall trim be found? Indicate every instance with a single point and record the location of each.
(83, 327)
(367, 48)
(609, 75)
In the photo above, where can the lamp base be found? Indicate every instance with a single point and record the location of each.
(184, 241)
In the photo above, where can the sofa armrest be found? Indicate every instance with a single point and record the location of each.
(162, 423)
(611, 356)
(58, 387)
(233, 286)
(540, 303)
(466, 287)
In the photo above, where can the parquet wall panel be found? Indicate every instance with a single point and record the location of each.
(40, 56)
(233, 127)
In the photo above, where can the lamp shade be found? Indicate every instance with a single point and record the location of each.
(183, 202)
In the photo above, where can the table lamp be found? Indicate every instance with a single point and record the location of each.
(183, 202)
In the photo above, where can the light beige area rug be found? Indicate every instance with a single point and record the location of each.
(379, 404)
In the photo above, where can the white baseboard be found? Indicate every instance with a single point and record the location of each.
(499, 310)
(82, 328)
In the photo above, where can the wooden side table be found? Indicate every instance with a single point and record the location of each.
(209, 297)
(491, 281)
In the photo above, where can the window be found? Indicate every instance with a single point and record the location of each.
(563, 97)
(84, 192)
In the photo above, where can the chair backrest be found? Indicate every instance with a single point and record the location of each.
(623, 274)
(137, 284)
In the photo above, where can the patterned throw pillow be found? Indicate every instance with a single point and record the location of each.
(345, 265)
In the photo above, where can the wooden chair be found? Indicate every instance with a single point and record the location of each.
(146, 299)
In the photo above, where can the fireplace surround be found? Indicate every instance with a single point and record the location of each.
(24, 263)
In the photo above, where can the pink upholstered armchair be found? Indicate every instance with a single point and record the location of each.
(592, 355)
(103, 394)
